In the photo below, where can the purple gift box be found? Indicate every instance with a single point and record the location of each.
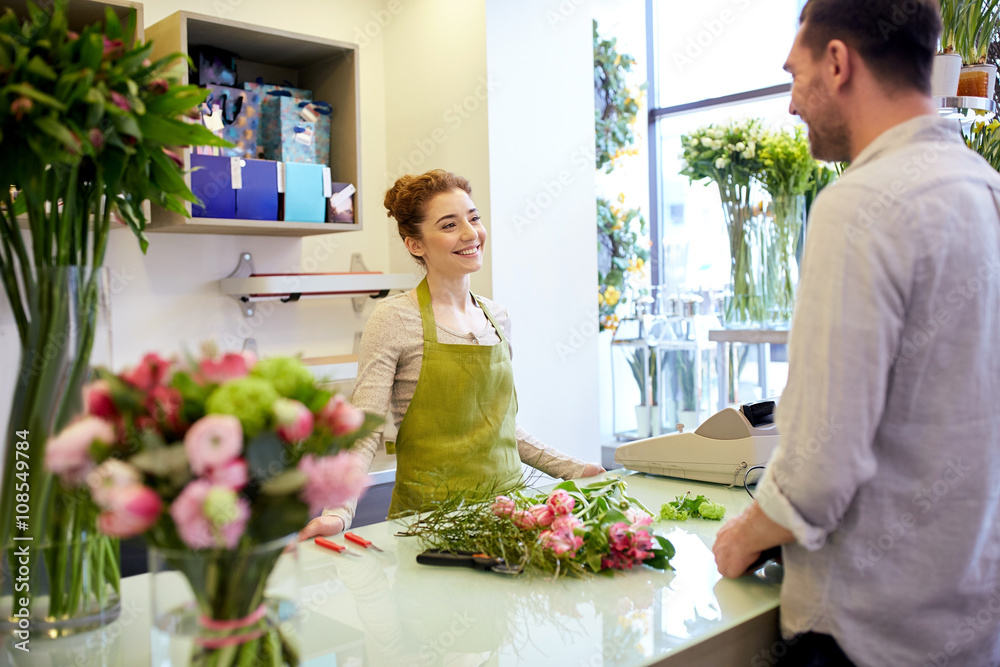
(212, 183)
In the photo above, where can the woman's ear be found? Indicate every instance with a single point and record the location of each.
(414, 246)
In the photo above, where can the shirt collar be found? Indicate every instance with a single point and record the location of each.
(924, 127)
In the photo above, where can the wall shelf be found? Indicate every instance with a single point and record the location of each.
(247, 286)
(327, 67)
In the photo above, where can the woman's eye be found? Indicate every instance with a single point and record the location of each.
(475, 219)
(450, 224)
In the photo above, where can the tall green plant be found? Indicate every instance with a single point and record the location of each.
(86, 119)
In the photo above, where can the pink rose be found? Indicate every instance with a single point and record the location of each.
(21, 106)
(566, 523)
(332, 480)
(619, 536)
(112, 49)
(150, 372)
(341, 417)
(638, 517)
(295, 422)
(543, 514)
(110, 476)
(232, 475)
(97, 400)
(524, 519)
(158, 86)
(96, 138)
(209, 516)
(561, 543)
(561, 502)
(213, 441)
(232, 365)
(129, 510)
(68, 454)
(503, 506)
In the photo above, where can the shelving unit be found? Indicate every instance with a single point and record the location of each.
(329, 68)
(959, 108)
(248, 287)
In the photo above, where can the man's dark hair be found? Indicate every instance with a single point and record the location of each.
(896, 38)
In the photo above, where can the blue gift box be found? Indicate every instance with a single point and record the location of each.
(212, 183)
(258, 198)
(304, 196)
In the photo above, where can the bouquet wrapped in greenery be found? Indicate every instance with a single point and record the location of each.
(217, 456)
(571, 531)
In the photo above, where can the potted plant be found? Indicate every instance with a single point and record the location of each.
(86, 119)
(948, 63)
(979, 21)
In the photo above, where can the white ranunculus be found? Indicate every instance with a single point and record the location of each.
(746, 155)
(716, 145)
(740, 147)
(706, 142)
(721, 163)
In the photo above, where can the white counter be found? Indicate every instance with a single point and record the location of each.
(385, 609)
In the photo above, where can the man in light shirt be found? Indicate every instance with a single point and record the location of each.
(885, 490)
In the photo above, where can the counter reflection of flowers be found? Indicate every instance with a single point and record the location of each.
(219, 455)
(572, 530)
(623, 254)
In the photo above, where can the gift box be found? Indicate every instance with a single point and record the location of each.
(305, 199)
(215, 66)
(212, 183)
(295, 130)
(233, 114)
(264, 89)
(258, 198)
(340, 207)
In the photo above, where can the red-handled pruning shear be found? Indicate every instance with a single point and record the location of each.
(333, 546)
(467, 559)
(357, 539)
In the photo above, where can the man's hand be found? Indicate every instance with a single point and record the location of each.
(741, 540)
(592, 469)
(322, 526)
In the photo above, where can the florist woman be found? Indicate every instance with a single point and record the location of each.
(440, 358)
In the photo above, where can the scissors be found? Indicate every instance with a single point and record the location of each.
(476, 561)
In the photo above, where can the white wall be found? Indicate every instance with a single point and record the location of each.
(541, 147)
(437, 97)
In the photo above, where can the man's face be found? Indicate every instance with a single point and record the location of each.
(814, 103)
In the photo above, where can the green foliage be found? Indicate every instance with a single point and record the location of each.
(787, 165)
(623, 251)
(289, 376)
(984, 138)
(84, 118)
(686, 506)
(618, 103)
(970, 26)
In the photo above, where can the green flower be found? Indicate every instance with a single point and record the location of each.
(711, 511)
(670, 513)
(220, 506)
(287, 374)
(249, 399)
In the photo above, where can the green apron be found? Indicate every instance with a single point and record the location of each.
(458, 431)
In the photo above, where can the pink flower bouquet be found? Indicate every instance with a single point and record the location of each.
(217, 456)
(571, 530)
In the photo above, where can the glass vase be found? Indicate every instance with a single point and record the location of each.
(68, 573)
(746, 306)
(225, 608)
(783, 234)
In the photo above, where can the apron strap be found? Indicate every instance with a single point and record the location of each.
(427, 314)
(426, 311)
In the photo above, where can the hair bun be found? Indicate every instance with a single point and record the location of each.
(392, 196)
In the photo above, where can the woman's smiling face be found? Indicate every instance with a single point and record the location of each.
(453, 236)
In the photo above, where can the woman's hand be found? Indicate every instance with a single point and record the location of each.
(322, 526)
(592, 469)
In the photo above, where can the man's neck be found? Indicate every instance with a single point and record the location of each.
(881, 114)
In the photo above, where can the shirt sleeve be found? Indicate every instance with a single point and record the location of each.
(849, 317)
(378, 356)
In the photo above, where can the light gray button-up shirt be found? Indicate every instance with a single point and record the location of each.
(888, 471)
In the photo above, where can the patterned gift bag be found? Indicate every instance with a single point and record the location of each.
(295, 130)
(233, 114)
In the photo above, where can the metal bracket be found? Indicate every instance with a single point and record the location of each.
(244, 269)
(358, 266)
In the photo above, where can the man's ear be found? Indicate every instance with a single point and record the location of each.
(839, 63)
(414, 246)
